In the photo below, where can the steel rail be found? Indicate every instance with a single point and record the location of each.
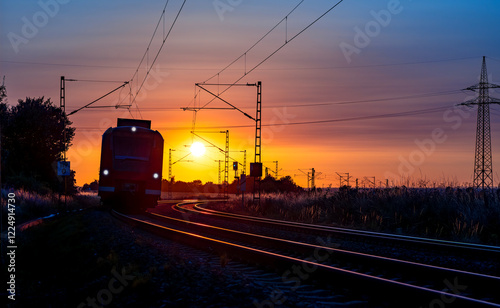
(486, 285)
(411, 240)
(373, 285)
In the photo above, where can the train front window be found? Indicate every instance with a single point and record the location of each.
(132, 147)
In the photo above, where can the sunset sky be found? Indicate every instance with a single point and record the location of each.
(369, 89)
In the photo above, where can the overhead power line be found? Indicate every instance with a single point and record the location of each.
(136, 74)
(370, 117)
(94, 80)
(382, 99)
(350, 119)
(88, 105)
(255, 44)
(272, 53)
(372, 100)
(149, 66)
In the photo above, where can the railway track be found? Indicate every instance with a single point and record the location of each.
(462, 256)
(386, 281)
(414, 242)
(465, 256)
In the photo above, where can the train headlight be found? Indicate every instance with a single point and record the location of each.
(134, 128)
(156, 175)
(105, 172)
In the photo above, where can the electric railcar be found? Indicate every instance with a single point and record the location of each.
(131, 165)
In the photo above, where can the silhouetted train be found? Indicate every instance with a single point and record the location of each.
(131, 165)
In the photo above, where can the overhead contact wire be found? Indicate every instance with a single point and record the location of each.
(274, 52)
(159, 50)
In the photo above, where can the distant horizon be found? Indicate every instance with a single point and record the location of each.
(380, 184)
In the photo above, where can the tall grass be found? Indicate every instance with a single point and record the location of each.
(448, 213)
(31, 205)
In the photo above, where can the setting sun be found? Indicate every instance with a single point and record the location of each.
(198, 149)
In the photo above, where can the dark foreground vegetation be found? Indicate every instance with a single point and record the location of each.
(450, 213)
(31, 205)
(34, 135)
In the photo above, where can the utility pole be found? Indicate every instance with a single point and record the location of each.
(224, 151)
(306, 174)
(226, 166)
(256, 166)
(483, 164)
(218, 172)
(244, 162)
(274, 170)
(313, 183)
(258, 144)
(170, 164)
(62, 105)
(374, 182)
(344, 179)
(220, 194)
(170, 184)
(310, 177)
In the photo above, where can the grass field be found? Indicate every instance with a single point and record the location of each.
(30, 205)
(451, 213)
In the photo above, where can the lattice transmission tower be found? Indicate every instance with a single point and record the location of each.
(483, 165)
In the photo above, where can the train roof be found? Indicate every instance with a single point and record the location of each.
(133, 122)
(131, 129)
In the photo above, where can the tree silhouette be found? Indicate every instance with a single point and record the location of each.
(3, 120)
(35, 134)
(3, 92)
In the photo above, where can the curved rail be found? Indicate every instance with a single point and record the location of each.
(231, 243)
(419, 241)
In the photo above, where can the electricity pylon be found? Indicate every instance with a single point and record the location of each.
(483, 165)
